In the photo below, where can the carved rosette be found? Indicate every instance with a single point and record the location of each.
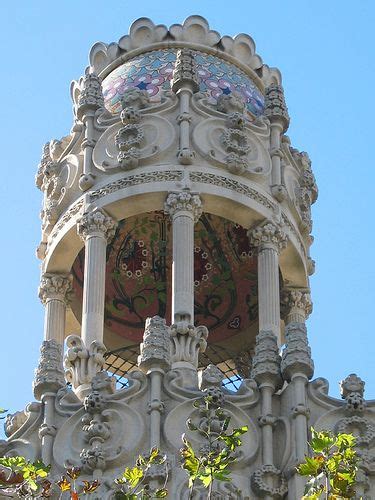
(96, 223)
(268, 235)
(155, 348)
(184, 201)
(266, 361)
(268, 481)
(91, 95)
(296, 357)
(352, 389)
(49, 375)
(275, 107)
(296, 305)
(82, 363)
(185, 72)
(187, 342)
(55, 286)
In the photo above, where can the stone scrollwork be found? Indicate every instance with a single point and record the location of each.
(187, 342)
(268, 481)
(155, 348)
(97, 222)
(49, 375)
(82, 363)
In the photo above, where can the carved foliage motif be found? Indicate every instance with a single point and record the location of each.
(352, 389)
(296, 301)
(55, 286)
(268, 234)
(187, 342)
(183, 201)
(96, 222)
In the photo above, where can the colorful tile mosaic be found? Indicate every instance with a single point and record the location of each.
(152, 72)
(139, 276)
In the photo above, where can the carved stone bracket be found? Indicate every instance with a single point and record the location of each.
(187, 342)
(296, 357)
(49, 376)
(82, 363)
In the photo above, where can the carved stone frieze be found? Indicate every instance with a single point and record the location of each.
(274, 105)
(97, 222)
(55, 286)
(187, 342)
(266, 360)
(82, 363)
(296, 357)
(155, 348)
(268, 234)
(49, 375)
(183, 201)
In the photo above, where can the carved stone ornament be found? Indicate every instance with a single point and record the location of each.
(187, 342)
(296, 357)
(183, 201)
(55, 286)
(155, 348)
(91, 95)
(268, 235)
(296, 302)
(45, 160)
(185, 72)
(96, 223)
(230, 103)
(14, 421)
(266, 361)
(352, 389)
(82, 363)
(49, 375)
(134, 98)
(211, 376)
(264, 481)
(274, 105)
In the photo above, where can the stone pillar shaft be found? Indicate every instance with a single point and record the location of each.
(268, 290)
(94, 289)
(54, 320)
(276, 130)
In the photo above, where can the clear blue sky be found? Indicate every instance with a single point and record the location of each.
(325, 51)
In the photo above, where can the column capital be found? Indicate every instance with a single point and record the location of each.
(268, 235)
(55, 286)
(296, 302)
(183, 201)
(96, 223)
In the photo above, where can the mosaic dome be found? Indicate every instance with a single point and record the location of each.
(152, 72)
(139, 276)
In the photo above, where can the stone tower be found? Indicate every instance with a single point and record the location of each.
(175, 255)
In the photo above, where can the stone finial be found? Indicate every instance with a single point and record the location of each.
(55, 286)
(97, 223)
(185, 72)
(183, 201)
(82, 363)
(352, 388)
(187, 342)
(91, 96)
(268, 234)
(296, 305)
(49, 376)
(296, 357)
(211, 376)
(275, 107)
(266, 360)
(155, 348)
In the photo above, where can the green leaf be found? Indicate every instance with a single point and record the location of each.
(162, 493)
(133, 475)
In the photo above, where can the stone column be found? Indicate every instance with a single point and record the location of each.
(54, 290)
(184, 208)
(297, 368)
(95, 228)
(269, 240)
(89, 101)
(277, 113)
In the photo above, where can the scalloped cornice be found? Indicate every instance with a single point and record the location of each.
(195, 32)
